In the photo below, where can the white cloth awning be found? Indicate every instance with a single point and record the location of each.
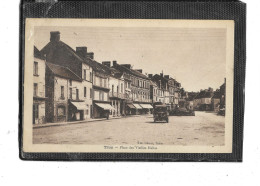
(137, 106)
(105, 106)
(146, 106)
(79, 105)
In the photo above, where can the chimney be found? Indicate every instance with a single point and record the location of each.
(114, 63)
(126, 65)
(106, 63)
(90, 55)
(150, 76)
(55, 36)
(139, 70)
(166, 76)
(81, 51)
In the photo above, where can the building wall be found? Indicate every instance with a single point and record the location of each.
(116, 95)
(39, 78)
(59, 102)
(205, 100)
(89, 86)
(140, 89)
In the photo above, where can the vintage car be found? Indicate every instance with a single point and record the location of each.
(181, 112)
(160, 113)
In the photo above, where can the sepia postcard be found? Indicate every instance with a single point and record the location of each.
(128, 86)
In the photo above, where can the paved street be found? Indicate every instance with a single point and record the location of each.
(203, 129)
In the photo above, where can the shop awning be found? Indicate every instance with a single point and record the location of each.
(105, 106)
(79, 105)
(137, 106)
(131, 106)
(146, 106)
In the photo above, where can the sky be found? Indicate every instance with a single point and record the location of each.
(195, 57)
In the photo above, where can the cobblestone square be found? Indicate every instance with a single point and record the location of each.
(205, 128)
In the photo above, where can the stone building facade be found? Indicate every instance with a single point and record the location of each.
(38, 88)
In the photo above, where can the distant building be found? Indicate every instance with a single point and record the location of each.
(190, 100)
(154, 94)
(203, 100)
(139, 101)
(118, 84)
(38, 88)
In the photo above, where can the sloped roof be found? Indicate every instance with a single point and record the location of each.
(153, 83)
(61, 44)
(191, 96)
(38, 54)
(116, 73)
(63, 72)
(97, 66)
(204, 94)
(130, 71)
(94, 64)
(216, 95)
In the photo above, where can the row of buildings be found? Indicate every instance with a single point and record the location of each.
(71, 85)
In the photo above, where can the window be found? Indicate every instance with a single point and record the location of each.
(100, 82)
(70, 93)
(62, 91)
(36, 111)
(35, 89)
(70, 82)
(85, 74)
(101, 96)
(85, 91)
(122, 87)
(90, 76)
(105, 83)
(61, 111)
(77, 94)
(35, 68)
(91, 93)
(112, 89)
